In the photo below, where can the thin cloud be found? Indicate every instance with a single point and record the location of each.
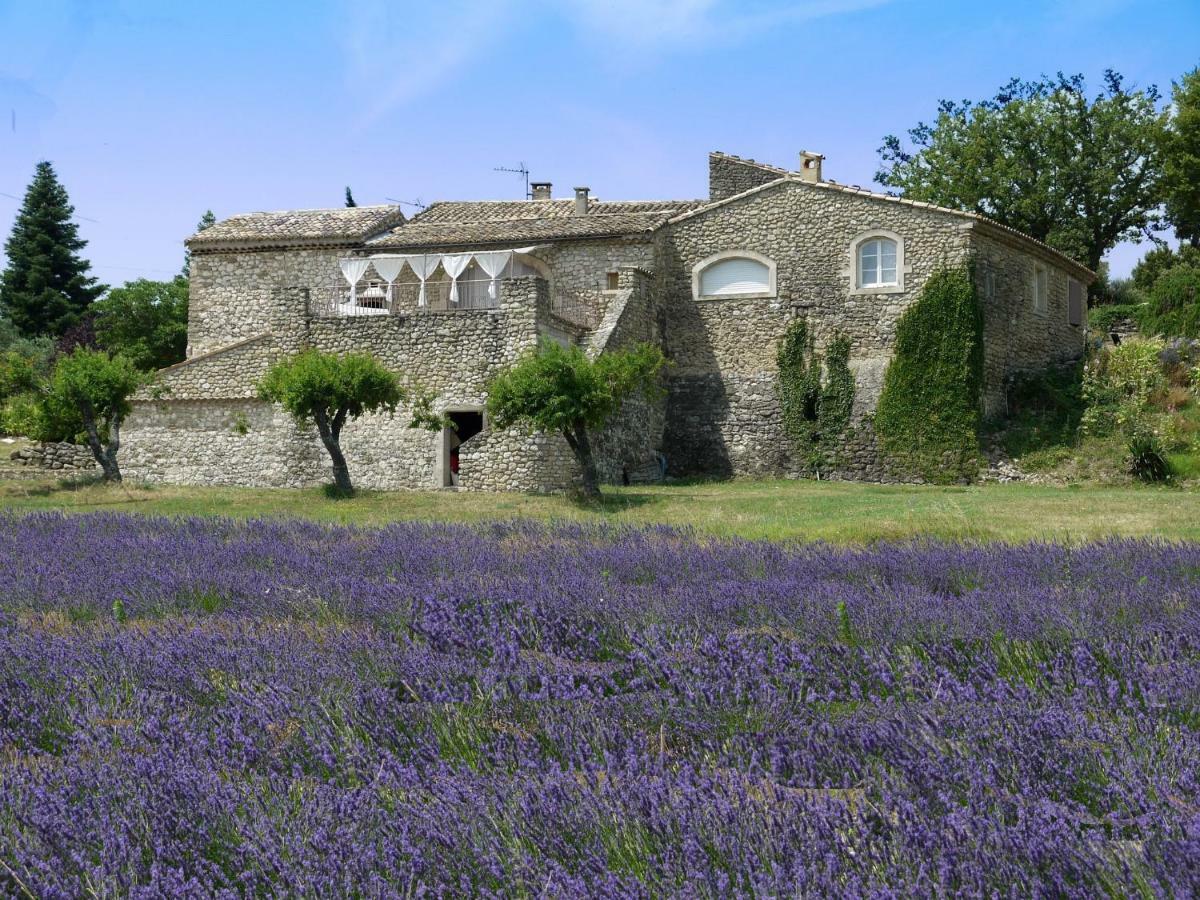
(396, 53)
(670, 24)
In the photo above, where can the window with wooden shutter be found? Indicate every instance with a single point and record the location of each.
(1075, 303)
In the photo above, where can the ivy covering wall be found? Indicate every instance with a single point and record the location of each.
(928, 416)
(817, 396)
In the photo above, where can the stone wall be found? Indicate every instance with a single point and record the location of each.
(721, 415)
(729, 175)
(56, 455)
(627, 448)
(1017, 337)
(231, 293)
(723, 410)
(207, 428)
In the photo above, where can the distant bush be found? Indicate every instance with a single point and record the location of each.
(1174, 307)
(24, 415)
(1159, 261)
(1104, 318)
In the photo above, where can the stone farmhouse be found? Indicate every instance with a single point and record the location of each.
(452, 295)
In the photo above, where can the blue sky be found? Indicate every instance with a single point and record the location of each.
(153, 112)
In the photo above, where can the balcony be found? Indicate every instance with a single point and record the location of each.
(372, 296)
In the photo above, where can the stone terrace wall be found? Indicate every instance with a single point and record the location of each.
(1018, 338)
(231, 293)
(209, 429)
(723, 411)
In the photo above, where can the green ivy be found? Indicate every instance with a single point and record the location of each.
(928, 416)
(816, 410)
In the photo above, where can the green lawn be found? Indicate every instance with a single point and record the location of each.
(801, 510)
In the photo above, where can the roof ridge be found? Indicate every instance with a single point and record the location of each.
(750, 162)
(312, 209)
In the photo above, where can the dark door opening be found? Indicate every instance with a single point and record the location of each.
(467, 424)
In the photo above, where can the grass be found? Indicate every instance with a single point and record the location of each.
(839, 512)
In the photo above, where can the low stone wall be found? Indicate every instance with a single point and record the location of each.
(517, 461)
(256, 444)
(61, 455)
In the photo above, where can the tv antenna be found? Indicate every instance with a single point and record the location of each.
(416, 203)
(522, 170)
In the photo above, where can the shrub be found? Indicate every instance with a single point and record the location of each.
(17, 373)
(1147, 457)
(24, 415)
(1119, 383)
(929, 411)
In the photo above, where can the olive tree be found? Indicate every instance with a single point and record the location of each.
(561, 389)
(329, 390)
(90, 391)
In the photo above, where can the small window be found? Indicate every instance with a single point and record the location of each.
(989, 284)
(1040, 289)
(737, 276)
(877, 263)
(1075, 303)
(612, 281)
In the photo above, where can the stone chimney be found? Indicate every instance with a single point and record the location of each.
(541, 190)
(810, 166)
(581, 201)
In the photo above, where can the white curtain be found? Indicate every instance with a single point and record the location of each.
(454, 264)
(389, 268)
(423, 266)
(493, 264)
(354, 269)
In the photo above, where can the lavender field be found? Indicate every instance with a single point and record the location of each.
(269, 708)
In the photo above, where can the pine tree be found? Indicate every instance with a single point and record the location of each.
(206, 221)
(349, 197)
(1181, 166)
(46, 288)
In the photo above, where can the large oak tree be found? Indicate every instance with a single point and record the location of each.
(1181, 162)
(1080, 172)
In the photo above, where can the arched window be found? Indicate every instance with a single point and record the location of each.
(735, 273)
(877, 262)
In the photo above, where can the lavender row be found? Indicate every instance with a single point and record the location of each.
(209, 708)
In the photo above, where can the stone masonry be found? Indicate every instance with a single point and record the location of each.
(606, 275)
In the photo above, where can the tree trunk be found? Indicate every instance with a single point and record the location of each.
(577, 439)
(106, 457)
(330, 437)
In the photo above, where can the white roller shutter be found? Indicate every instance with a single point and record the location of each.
(731, 277)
